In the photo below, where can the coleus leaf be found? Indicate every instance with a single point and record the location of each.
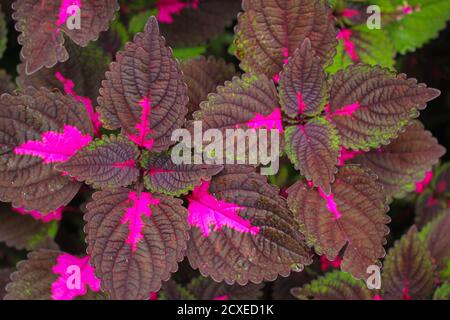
(24, 232)
(109, 162)
(371, 105)
(408, 271)
(361, 44)
(352, 216)
(4, 280)
(40, 23)
(6, 84)
(135, 240)
(50, 275)
(303, 86)
(3, 33)
(29, 122)
(164, 176)
(404, 161)
(242, 230)
(202, 76)
(314, 149)
(442, 293)
(438, 241)
(335, 285)
(269, 31)
(144, 93)
(416, 21)
(197, 24)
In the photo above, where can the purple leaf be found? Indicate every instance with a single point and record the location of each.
(269, 31)
(41, 22)
(135, 240)
(438, 241)
(4, 279)
(370, 106)
(272, 245)
(6, 84)
(105, 163)
(202, 76)
(408, 271)
(164, 176)
(144, 93)
(404, 161)
(44, 217)
(352, 216)
(303, 86)
(314, 149)
(40, 116)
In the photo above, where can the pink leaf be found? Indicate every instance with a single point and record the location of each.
(326, 264)
(69, 86)
(349, 45)
(55, 146)
(67, 286)
(143, 126)
(37, 215)
(133, 215)
(206, 211)
(272, 121)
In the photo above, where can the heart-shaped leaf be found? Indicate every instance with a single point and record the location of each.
(41, 22)
(303, 86)
(269, 31)
(352, 216)
(336, 285)
(164, 176)
(46, 275)
(37, 129)
(144, 93)
(197, 24)
(242, 230)
(408, 271)
(135, 239)
(106, 163)
(203, 75)
(370, 105)
(314, 149)
(404, 161)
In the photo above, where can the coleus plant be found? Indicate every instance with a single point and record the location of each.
(352, 136)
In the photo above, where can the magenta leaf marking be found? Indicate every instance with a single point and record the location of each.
(421, 186)
(206, 211)
(406, 295)
(167, 8)
(63, 14)
(377, 297)
(349, 13)
(301, 104)
(155, 171)
(326, 264)
(223, 298)
(133, 216)
(153, 296)
(346, 155)
(37, 215)
(55, 146)
(346, 111)
(331, 204)
(272, 121)
(69, 86)
(75, 274)
(285, 51)
(143, 127)
(349, 45)
(125, 164)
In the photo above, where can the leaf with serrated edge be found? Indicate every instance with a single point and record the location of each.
(352, 216)
(41, 22)
(202, 76)
(24, 232)
(273, 249)
(201, 23)
(4, 280)
(269, 31)
(336, 285)
(25, 180)
(314, 149)
(109, 162)
(144, 93)
(408, 271)
(371, 105)
(164, 176)
(438, 240)
(303, 86)
(404, 161)
(135, 240)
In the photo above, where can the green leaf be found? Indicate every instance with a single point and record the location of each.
(187, 53)
(137, 22)
(443, 292)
